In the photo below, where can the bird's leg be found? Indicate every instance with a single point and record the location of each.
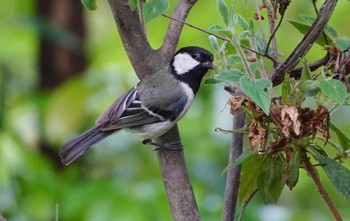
(171, 146)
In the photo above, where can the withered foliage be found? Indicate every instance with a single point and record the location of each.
(284, 126)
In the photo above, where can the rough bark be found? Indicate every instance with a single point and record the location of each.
(147, 61)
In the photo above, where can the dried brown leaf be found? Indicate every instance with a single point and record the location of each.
(290, 121)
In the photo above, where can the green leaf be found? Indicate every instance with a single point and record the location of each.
(305, 73)
(238, 19)
(251, 168)
(234, 59)
(294, 170)
(255, 89)
(217, 28)
(211, 80)
(154, 8)
(132, 4)
(286, 90)
(342, 43)
(270, 182)
(304, 28)
(337, 174)
(254, 66)
(333, 89)
(230, 75)
(328, 29)
(89, 4)
(223, 11)
(344, 141)
(242, 158)
(311, 88)
(214, 43)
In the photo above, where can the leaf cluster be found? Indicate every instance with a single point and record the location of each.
(282, 128)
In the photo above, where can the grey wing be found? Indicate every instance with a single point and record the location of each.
(115, 111)
(126, 112)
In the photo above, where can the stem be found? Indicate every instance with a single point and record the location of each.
(233, 173)
(245, 204)
(319, 185)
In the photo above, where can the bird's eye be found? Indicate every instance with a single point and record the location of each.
(195, 55)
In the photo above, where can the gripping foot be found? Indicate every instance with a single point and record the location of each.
(171, 146)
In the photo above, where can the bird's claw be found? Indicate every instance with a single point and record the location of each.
(171, 146)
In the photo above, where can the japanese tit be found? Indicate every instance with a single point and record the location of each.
(152, 107)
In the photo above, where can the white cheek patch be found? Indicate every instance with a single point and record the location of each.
(183, 63)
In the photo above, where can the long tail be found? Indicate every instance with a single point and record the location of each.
(78, 145)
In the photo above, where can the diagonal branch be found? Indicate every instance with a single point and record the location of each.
(310, 169)
(306, 43)
(174, 29)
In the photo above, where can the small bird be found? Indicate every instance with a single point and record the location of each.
(152, 107)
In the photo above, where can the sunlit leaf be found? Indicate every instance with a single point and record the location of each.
(333, 89)
(344, 141)
(154, 8)
(256, 90)
(305, 73)
(223, 10)
(89, 4)
(251, 168)
(270, 182)
(217, 28)
(214, 43)
(230, 75)
(337, 174)
(304, 28)
(238, 19)
(286, 90)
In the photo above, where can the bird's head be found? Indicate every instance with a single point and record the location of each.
(190, 64)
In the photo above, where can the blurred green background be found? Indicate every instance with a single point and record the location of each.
(41, 108)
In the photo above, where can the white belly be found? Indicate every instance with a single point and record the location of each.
(151, 131)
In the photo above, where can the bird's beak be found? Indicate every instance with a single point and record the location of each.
(209, 65)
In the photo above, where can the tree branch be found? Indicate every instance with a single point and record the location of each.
(174, 29)
(176, 182)
(319, 185)
(305, 44)
(147, 61)
(134, 38)
(233, 173)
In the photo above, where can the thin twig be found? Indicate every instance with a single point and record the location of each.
(271, 18)
(319, 185)
(245, 204)
(273, 34)
(195, 27)
(217, 36)
(260, 20)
